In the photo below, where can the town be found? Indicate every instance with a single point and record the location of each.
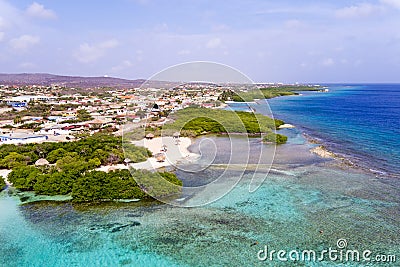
(58, 113)
(40, 113)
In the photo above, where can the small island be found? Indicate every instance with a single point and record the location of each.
(265, 92)
(196, 121)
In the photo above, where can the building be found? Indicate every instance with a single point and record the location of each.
(22, 101)
(21, 138)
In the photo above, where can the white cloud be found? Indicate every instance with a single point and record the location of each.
(89, 53)
(39, 11)
(23, 42)
(126, 64)
(9, 16)
(214, 43)
(327, 62)
(359, 11)
(393, 3)
(2, 36)
(293, 10)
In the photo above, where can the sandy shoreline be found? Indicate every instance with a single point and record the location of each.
(176, 152)
(323, 152)
(4, 173)
(286, 126)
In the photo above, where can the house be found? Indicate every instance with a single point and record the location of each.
(22, 138)
(22, 101)
(54, 130)
(149, 136)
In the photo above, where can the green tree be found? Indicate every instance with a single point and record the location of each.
(83, 115)
(54, 184)
(141, 114)
(136, 154)
(94, 163)
(55, 155)
(2, 183)
(72, 165)
(17, 119)
(24, 177)
(14, 159)
(91, 186)
(272, 137)
(101, 155)
(200, 120)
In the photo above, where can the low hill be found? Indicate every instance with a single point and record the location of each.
(67, 81)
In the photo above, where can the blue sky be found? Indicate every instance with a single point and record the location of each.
(270, 41)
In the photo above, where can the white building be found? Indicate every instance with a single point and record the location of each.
(21, 138)
(23, 100)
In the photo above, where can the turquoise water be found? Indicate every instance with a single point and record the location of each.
(359, 121)
(305, 203)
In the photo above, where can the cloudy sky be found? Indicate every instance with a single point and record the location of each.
(270, 41)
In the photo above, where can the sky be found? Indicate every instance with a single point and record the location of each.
(286, 41)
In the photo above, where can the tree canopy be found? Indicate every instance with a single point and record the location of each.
(88, 185)
(272, 137)
(100, 148)
(2, 183)
(265, 93)
(203, 120)
(71, 169)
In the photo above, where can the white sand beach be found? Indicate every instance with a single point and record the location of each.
(286, 126)
(4, 174)
(175, 151)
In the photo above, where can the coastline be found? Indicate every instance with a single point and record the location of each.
(330, 150)
(176, 151)
(323, 152)
(349, 124)
(301, 195)
(4, 173)
(326, 151)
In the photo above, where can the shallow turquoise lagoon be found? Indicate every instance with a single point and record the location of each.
(305, 203)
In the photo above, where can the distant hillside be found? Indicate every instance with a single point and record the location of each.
(67, 81)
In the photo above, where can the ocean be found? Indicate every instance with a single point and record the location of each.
(305, 203)
(361, 122)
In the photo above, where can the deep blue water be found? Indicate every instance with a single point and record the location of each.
(359, 121)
